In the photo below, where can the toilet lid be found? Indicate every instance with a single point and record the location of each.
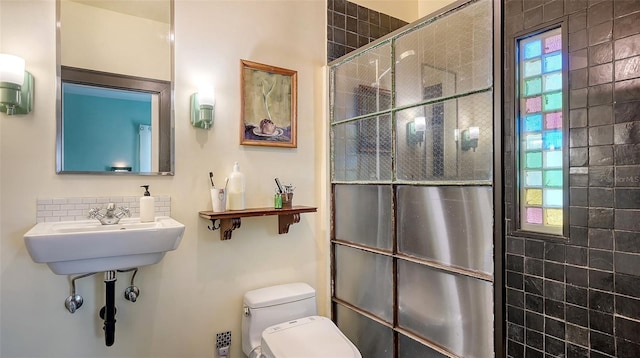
(313, 336)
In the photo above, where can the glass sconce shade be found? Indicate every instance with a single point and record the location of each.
(16, 85)
(202, 108)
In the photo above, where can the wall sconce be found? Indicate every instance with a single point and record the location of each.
(16, 86)
(470, 138)
(415, 131)
(202, 105)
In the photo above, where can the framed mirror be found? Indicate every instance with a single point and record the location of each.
(115, 73)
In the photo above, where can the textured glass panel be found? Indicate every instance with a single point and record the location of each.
(553, 159)
(553, 101)
(363, 215)
(449, 225)
(533, 105)
(532, 49)
(455, 50)
(533, 123)
(534, 215)
(440, 156)
(553, 120)
(553, 197)
(552, 63)
(532, 68)
(553, 43)
(533, 178)
(370, 337)
(533, 141)
(553, 178)
(409, 348)
(553, 82)
(552, 140)
(359, 88)
(361, 150)
(532, 86)
(553, 217)
(365, 280)
(451, 310)
(533, 160)
(533, 197)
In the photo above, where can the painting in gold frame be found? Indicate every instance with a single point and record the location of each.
(268, 101)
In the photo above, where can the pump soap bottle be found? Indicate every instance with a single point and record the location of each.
(235, 193)
(147, 206)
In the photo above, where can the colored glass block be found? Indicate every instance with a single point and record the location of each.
(552, 63)
(533, 141)
(534, 215)
(532, 86)
(532, 49)
(553, 120)
(533, 197)
(533, 160)
(553, 82)
(553, 159)
(553, 101)
(553, 217)
(533, 178)
(533, 104)
(553, 178)
(552, 140)
(552, 197)
(532, 68)
(553, 43)
(533, 123)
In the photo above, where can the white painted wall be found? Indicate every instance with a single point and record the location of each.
(196, 291)
(406, 10)
(426, 7)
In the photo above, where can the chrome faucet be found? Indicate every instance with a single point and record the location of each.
(111, 215)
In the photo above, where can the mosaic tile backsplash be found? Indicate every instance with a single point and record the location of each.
(71, 209)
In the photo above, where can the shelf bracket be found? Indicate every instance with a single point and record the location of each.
(284, 221)
(227, 226)
(213, 226)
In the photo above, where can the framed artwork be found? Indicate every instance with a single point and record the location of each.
(269, 105)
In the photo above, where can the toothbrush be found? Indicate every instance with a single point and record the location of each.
(211, 178)
(280, 190)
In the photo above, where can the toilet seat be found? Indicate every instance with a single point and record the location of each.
(313, 336)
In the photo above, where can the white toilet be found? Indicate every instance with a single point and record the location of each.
(281, 322)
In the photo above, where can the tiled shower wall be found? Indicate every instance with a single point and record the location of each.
(350, 26)
(581, 297)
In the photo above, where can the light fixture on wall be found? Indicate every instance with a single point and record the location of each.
(470, 138)
(202, 107)
(16, 85)
(415, 131)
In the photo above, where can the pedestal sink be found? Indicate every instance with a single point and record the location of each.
(76, 247)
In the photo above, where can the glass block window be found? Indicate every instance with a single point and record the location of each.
(540, 125)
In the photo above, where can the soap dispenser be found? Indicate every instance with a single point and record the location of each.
(235, 193)
(147, 206)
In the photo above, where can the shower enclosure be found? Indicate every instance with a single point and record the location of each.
(412, 239)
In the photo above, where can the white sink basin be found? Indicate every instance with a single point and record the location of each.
(75, 247)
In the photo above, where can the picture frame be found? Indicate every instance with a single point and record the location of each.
(268, 105)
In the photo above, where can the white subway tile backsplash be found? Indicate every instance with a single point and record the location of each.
(67, 209)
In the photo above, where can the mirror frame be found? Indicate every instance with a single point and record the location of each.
(164, 90)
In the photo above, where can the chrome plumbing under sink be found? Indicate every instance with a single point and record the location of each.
(76, 247)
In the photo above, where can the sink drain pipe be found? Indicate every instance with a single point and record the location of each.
(108, 312)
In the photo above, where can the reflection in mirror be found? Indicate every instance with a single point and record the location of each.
(115, 63)
(113, 123)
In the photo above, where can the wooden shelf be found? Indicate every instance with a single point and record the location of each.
(230, 219)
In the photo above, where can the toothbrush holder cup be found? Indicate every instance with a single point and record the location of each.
(287, 199)
(218, 200)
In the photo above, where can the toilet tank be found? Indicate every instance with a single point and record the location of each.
(267, 306)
